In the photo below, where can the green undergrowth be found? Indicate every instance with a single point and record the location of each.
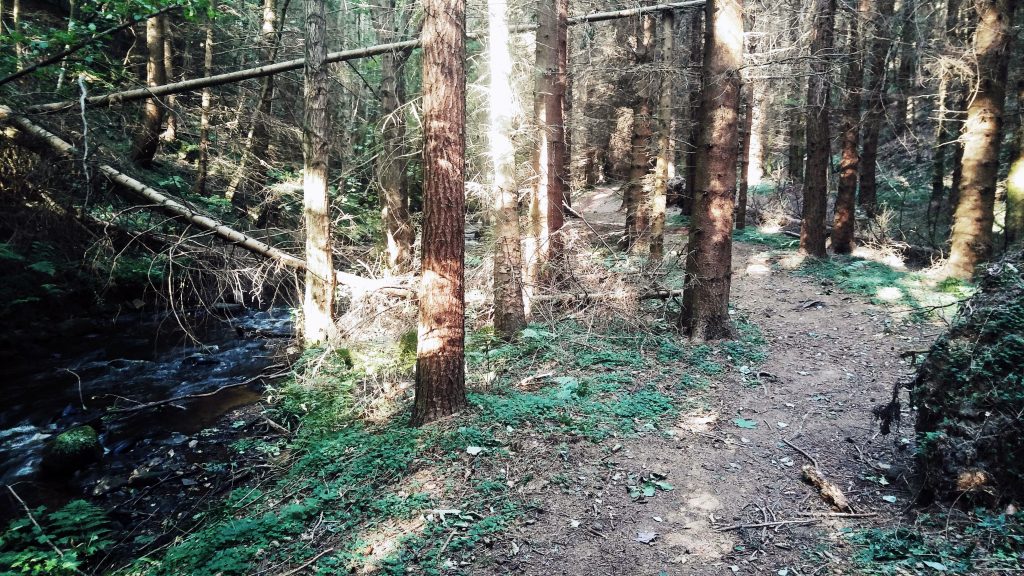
(384, 497)
(913, 292)
(980, 543)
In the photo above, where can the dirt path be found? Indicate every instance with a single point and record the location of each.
(832, 358)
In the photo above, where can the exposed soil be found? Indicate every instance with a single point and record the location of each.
(832, 358)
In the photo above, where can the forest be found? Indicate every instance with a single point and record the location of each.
(511, 287)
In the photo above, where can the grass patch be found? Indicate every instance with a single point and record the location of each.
(775, 241)
(983, 542)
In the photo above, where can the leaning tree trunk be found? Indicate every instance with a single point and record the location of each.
(203, 165)
(846, 197)
(391, 160)
(709, 269)
(509, 312)
(868, 196)
(318, 307)
(148, 138)
(971, 238)
(666, 149)
(812, 226)
(440, 355)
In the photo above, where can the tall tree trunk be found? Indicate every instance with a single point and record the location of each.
(844, 220)
(509, 312)
(440, 355)
(812, 226)
(636, 198)
(548, 155)
(148, 138)
(318, 307)
(795, 111)
(391, 160)
(945, 132)
(666, 150)
(759, 99)
(171, 132)
(203, 165)
(709, 269)
(249, 173)
(72, 13)
(744, 183)
(19, 48)
(880, 42)
(563, 97)
(971, 238)
(905, 72)
(1015, 180)
(696, 55)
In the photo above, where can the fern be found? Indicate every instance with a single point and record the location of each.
(79, 531)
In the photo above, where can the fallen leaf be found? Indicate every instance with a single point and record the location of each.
(745, 423)
(889, 499)
(934, 565)
(474, 450)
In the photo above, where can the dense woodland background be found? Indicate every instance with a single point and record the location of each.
(416, 180)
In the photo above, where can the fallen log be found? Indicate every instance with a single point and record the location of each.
(296, 64)
(34, 137)
(619, 295)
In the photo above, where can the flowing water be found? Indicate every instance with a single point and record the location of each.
(134, 359)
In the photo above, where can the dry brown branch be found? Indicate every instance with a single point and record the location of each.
(829, 491)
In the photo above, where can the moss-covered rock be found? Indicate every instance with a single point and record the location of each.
(969, 393)
(72, 450)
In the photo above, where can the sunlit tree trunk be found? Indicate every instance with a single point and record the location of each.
(440, 355)
(875, 105)
(899, 115)
(19, 48)
(1015, 181)
(509, 313)
(666, 149)
(391, 160)
(562, 97)
(318, 307)
(171, 131)
(971, 238)
(148, 137)
(846, 197)
(709, 269)
(72, 14)
(812, 226)
(636, 197)
(203, 165)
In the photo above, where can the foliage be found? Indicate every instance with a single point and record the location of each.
(992, 543)
(969, 390)
(60, 544)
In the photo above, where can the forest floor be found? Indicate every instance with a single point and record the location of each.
(738, 504)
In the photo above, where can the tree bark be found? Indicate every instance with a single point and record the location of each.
(696, 55)
(509, 312)
(745, 129)
(795, 112)
(812, 228)
(148, 138)
(636, 237)
(709, 269)
(399, 233)
(905, 72)
(171, 131)
(318, 305)
(844, 220)
(880, 43)
(945, 132)
(1015, 181)
(666, 148)
(971, 238)
(440, 354)
(203, 165)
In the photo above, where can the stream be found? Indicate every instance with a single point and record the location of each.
(135, 358)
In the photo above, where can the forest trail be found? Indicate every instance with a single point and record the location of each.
(832, 357)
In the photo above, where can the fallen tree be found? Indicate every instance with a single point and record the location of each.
(296, 64)
(25, 133)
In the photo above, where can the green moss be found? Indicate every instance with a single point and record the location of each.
(75, 441)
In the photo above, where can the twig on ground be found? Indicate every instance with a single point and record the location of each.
(796, 521)
(801, 451)
(307, 563)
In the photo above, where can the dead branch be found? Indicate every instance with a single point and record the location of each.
(34, 137)
(619, 295)
(768, 524)
(164, 402)
(829, 492)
